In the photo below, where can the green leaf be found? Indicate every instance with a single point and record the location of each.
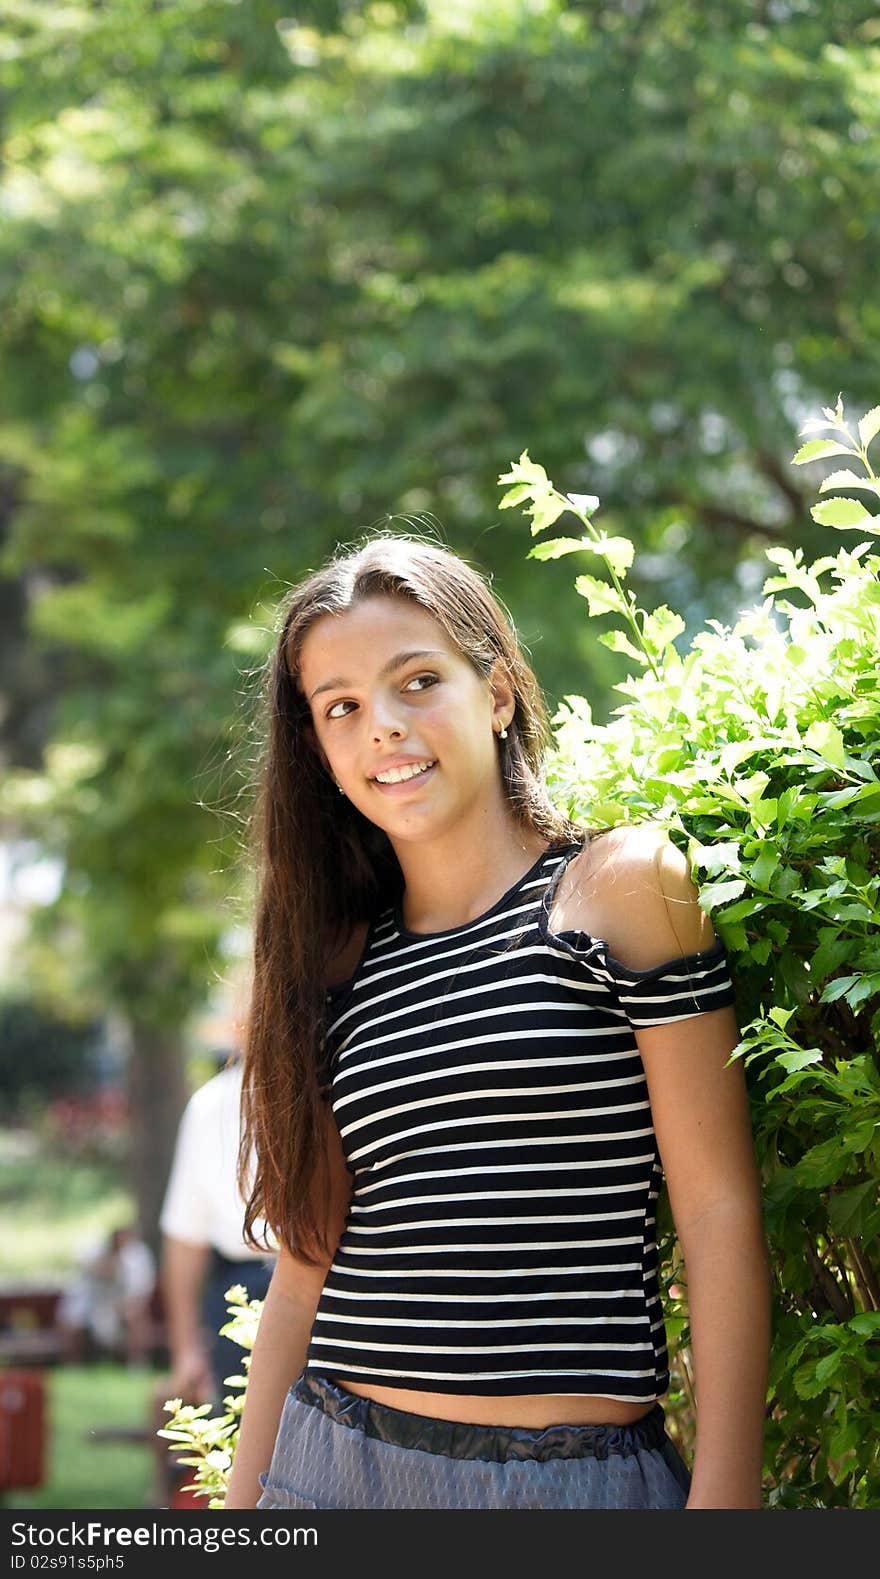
(601, 597)
(867, 987)
(788, 805)
(546, 509)
(784, 882)
(525, 471)
(750, 906)
(763, 869)
(800, 1059)
(556, 547)
(515, 496)
(713, 895)
(847, 1210)
(844, 1440)
(860, 1137)
(838, 988)
(618, 641)
(806, 1384)
(866, 1323)
(840, 512)
(817, 449)
(824, 737)
(869, 425)
(607, 811)
(780, 1016)
(618, 551)
(660, 628)
(844, 797)
(822, 1164)
(715, 857)
(828, 1366)
(848, 479)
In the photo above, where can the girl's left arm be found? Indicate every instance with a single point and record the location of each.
(701, 1120)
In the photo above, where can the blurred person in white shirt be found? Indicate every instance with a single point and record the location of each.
(203, 1249)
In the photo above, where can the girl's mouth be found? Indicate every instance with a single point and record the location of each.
(405, 784)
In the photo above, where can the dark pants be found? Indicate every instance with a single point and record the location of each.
(226, 1356)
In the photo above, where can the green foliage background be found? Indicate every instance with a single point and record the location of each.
(266, 282)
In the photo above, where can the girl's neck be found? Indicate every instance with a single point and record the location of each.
(449, 882)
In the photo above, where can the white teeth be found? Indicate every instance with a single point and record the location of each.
(399, 775)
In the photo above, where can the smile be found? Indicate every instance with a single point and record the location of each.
(401, 785)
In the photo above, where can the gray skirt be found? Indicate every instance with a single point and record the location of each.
(335, 1449)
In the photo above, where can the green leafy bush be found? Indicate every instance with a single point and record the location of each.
(757, 749)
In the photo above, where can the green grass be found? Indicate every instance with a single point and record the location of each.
(80, 1470)
(50, 1205)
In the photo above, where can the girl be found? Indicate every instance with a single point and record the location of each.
(476, 1030)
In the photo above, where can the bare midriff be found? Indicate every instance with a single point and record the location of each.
(516, 1409)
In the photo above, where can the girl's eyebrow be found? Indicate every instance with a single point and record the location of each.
(397, 662)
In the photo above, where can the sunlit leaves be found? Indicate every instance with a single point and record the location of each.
(209, 1440)
(759, 748)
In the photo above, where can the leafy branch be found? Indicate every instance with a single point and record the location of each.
(209, 1441)
(653, 633)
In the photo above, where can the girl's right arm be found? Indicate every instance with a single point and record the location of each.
(277, 1359)
(279, 1353)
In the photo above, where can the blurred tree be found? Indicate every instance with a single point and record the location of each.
(41, 1056)
(267, 282)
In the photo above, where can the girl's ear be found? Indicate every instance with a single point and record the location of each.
(501, 684)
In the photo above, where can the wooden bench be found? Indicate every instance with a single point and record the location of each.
(29, 1333)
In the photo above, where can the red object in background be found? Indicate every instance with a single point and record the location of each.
(187, 1499)
(22, 1429)
(88, 1122)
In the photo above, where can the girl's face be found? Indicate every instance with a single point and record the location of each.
(387, 686)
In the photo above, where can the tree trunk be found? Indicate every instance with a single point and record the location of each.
(156, 1093)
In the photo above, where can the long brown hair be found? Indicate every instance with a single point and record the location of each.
(321, 866)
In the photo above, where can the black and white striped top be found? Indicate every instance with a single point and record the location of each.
(493, 1109)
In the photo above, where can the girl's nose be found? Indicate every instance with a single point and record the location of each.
(385, 720)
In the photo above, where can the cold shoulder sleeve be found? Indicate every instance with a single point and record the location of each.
(678, 989)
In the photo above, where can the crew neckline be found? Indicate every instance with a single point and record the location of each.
(449, 932)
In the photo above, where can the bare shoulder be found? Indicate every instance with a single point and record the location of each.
(632, 886)
(627, 860)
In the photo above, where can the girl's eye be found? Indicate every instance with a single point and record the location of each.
(432, 678)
